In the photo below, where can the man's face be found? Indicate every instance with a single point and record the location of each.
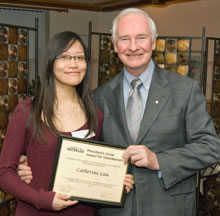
(134, 43)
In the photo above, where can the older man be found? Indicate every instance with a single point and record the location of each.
(169, 135)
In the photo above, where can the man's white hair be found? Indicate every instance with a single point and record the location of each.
(133, 11)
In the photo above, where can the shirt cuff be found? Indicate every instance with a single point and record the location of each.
(160, 174)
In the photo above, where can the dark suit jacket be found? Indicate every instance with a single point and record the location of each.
(177, 127)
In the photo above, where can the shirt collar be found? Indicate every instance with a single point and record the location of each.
(145, 77)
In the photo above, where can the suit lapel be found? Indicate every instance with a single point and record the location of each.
(158, 95)
(115, 101)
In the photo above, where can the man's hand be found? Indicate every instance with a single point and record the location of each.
(24, 171)
(61, 201)
(141, 156)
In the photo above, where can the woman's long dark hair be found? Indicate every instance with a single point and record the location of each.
(43, 102)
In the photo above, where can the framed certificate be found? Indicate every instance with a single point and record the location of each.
(89, 171)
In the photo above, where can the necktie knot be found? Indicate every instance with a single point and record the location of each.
(136, 83)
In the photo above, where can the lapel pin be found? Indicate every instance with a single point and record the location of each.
(156, 102)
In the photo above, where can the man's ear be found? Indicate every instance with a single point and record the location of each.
(154, 44)
(115, 46)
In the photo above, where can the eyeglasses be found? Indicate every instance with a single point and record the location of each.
(68, 58)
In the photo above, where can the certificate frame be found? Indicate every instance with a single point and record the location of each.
(89, 171)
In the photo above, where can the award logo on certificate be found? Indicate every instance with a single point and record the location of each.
(89, 171)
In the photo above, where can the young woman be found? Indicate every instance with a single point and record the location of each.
(61, 106)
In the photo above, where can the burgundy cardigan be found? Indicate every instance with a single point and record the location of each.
(34, 198)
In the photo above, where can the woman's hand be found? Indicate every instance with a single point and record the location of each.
(62, 201)
(24, 171)
(128, 182)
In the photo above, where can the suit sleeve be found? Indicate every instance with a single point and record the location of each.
(202, 147)
(97, 97)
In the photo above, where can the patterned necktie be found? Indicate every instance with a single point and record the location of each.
(133, 110)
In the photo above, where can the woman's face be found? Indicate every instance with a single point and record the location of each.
(70, 67)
